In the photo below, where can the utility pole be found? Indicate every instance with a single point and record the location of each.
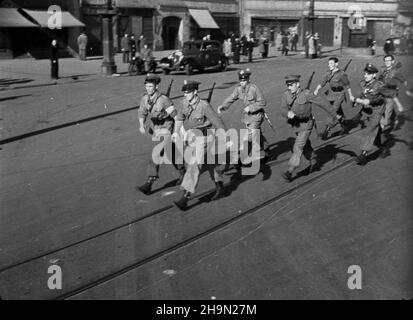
(311, 16)
(107, 13)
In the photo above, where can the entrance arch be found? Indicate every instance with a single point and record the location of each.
(170, 28)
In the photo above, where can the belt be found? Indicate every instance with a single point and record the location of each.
(392, 86)
(337, 89)
(296, 120)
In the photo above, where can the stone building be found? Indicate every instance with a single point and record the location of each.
(333, 18)
(24, 27)
(165, 24)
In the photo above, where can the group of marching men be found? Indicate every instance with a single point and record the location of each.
(378, 101)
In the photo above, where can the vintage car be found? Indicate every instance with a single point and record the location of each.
(196, 54)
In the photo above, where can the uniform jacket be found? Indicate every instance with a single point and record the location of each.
(390, 77)
(253, 98)
(146, 53)
(125, 44)
(200, 115)
(337, 82)
(154, 107)
(375, 91)
(300, 103)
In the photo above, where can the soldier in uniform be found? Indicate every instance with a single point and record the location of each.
(253, 115)
(372, 100)
(197, 114)
(296, 107)
(337, 82)
(161, 112)
(390, 75)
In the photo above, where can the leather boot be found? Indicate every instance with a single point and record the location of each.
(146, 188)
(218, 190)
(362, 158)
(324, 134)
(314, 166)
(182, 203)
(288, 177)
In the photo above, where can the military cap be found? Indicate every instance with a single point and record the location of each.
(244, 74)
(152, 78)
(292, 78)
(370, 68)
(190, 85)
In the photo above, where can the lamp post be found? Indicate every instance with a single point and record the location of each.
(107, 12)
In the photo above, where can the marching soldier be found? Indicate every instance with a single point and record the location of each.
(372, 99)
(337, 81)
(254, 104)
(161, 111)
(197, 114)
(296, 107)
(390, 75)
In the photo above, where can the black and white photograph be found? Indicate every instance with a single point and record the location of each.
(206, 154)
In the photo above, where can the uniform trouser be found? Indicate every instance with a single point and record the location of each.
(159, 156)
(194, 167)
(147, 64)
(255, 146)
(125, 57)
(372, 128)
(302, 144)
(82, 54)
(388, 112)
(336, 109)
(55, 70)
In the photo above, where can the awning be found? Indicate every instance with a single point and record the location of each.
(11, 18)
(42, 17)
(203, 18)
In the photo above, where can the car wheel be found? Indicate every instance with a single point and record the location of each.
(188, 69)
(201, 69)
(224, 65)
(166, 71)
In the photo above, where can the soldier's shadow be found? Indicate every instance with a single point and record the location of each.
(280, 147)
(390, 142)
(324, 155)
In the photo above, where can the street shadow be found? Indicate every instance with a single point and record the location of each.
(9, 81)
(390, 141)
(280, 147)
(324, 155)
(14, 97)
(166, 186)
(400, 120)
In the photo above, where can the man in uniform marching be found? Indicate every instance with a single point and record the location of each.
(296, 107)
(372, 100)
(161, 112)
(253, 115)
(197, 116)
(390, 75)
(337, 82)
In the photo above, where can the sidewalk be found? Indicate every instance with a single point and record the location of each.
(24, 73)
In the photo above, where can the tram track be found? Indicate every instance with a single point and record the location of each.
(199, 236)
(150, 214)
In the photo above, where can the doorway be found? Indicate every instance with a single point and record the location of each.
(170, 28)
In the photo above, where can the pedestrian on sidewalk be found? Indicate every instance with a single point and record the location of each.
(294, 41)
(82, 44)
(126, 48)
(284, 42)
(54, 60)
(307, 44)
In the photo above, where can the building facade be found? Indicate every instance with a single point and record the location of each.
(339, 23)
(165, 24)
(26, 31)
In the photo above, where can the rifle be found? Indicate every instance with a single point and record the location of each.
(168, 92)
(269, 121)
(309, 81)
(210, 93)
(348, 63)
